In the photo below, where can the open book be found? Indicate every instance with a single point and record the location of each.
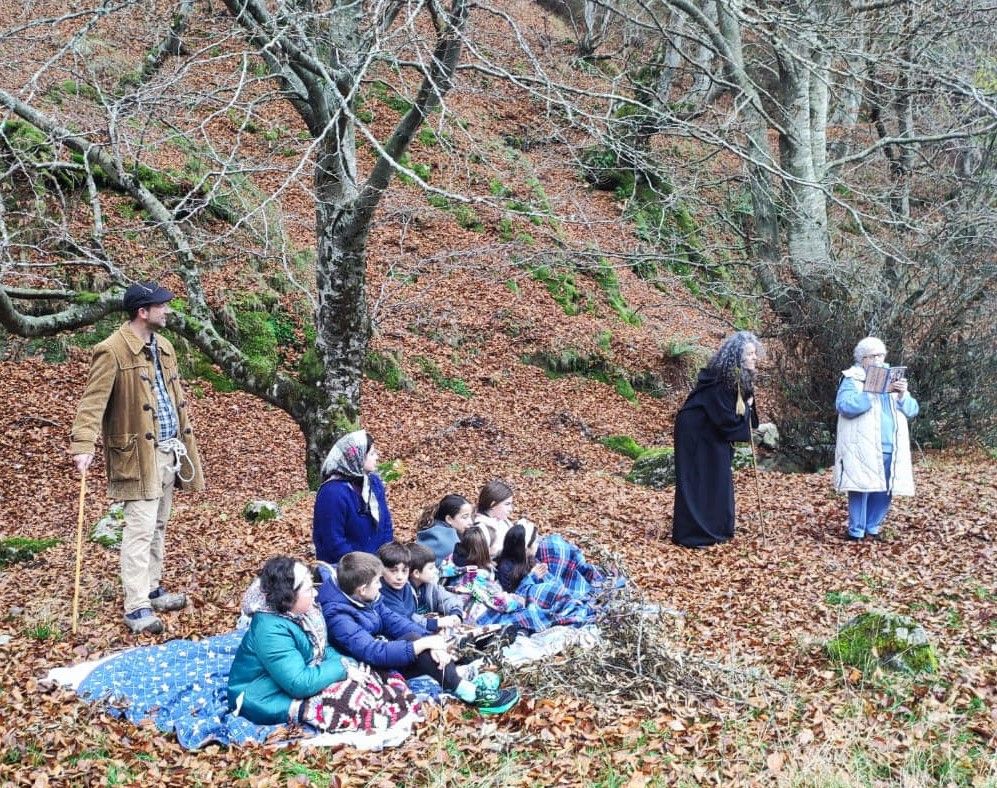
(879, 379)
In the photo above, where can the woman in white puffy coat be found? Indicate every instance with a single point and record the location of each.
(872, 461)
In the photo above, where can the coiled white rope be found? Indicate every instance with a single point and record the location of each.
(179, 455)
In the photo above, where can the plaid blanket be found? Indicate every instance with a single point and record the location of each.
(567, 563)
(182, 685)
(478, 591)
(562, 597)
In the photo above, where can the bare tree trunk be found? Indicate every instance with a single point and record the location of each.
(670, 59)
(845, 112)
(760, 163)
(805, 214)
(702, 60)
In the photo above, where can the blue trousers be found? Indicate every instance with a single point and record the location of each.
(867, 510)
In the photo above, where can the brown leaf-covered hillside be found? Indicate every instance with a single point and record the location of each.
(458, 393)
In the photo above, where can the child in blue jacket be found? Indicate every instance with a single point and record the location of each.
(362, 626)
(400, 593)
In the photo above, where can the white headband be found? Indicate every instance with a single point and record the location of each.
(530, 529)
(301, 576)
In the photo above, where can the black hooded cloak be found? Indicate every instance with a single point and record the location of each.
(705, 429)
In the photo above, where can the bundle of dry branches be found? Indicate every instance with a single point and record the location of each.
(636, 666)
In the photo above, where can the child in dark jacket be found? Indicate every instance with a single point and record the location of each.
(362, 626)
(400, 596)
(518, 557)
(430, 596)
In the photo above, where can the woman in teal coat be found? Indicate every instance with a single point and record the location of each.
(285, 672)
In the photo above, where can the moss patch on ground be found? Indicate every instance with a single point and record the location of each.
(880, 638)
(18, 549)
(623, 444)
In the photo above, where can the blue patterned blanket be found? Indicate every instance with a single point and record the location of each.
(181, 685)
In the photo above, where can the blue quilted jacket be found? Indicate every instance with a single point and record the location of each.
(368, 632)
(341, 522)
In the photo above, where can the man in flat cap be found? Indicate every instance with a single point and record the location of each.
(133, 397)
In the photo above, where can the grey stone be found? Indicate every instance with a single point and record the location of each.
(767, 435)
(654, 468)
(107, 531)
(261, 511)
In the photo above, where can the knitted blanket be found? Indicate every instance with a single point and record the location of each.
(182, 685)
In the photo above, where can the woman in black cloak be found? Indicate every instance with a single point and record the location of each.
(719, 411)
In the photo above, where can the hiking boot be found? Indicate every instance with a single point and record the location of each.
(143, 620)
(490, 697)
(496, 701)
(164, 601)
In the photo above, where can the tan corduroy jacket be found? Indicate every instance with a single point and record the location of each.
(120, 402)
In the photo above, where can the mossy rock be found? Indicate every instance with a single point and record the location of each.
(19, 549)
(742, 458)
(877, 638)
(261, 511)
(654, 468)
(107, 531)
(767, 435)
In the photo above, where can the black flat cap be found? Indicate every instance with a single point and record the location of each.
(145, 294)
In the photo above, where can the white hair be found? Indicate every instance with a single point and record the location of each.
(870, 346)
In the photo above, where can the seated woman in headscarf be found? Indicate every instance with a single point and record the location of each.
(351, 511)
(285, 672)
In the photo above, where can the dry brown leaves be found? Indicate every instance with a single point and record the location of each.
(756, 607)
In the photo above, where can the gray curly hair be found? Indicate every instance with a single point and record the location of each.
(870, 346)
(727, 362)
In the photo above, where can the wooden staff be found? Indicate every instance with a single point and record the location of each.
(758, 486)
(741, 408)
(79, 549)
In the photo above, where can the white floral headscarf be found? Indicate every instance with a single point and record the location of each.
(345, 461)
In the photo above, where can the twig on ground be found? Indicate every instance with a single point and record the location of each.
(635, 667)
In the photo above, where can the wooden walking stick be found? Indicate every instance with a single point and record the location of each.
(758, 486)
(79, 549)
(741, 408)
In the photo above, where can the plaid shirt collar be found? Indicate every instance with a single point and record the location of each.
(167, 423)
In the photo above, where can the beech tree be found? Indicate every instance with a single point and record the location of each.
(862, 189)
(96, 122)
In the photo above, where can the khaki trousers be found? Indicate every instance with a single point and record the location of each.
(144, 536)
